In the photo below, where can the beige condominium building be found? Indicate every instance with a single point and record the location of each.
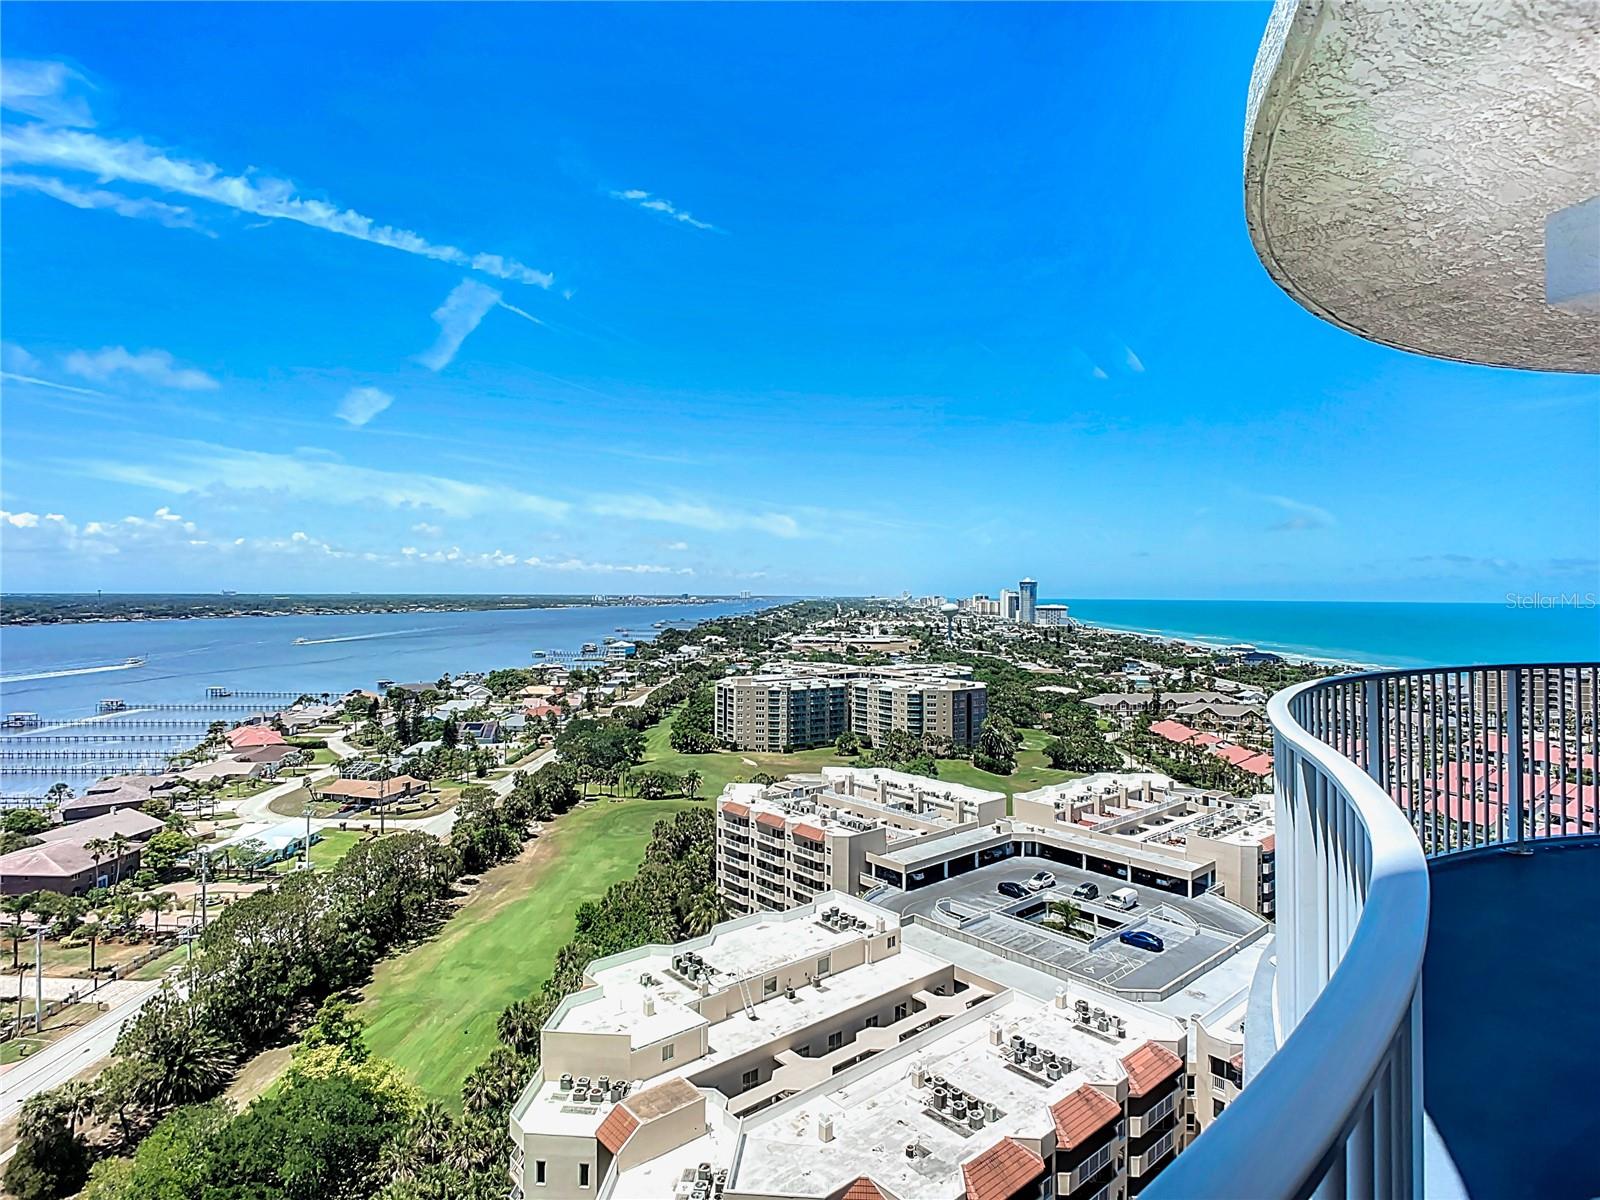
(1136, 813)
(831, 1051)
(952, 709)
(775, 713)
(783, 844)
(800, 707)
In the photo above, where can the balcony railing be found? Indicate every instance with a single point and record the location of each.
(1375, 773)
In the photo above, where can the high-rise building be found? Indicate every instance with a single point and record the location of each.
(803, 707)
(1010, 604)
(1027, 611)
(1051, 614)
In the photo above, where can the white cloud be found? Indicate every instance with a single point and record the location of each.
(14, 358)
(22, 520)
(40, 89)
(677, 546)
(361, 404)
(1300, 515)
(426, 530)
(134, 161)
(603, 568)
(173, 216)
(46, 383)
(1134, 363)
(695, 514)
(656, 204)
(156, 367)
(457, 317)
(192, 468)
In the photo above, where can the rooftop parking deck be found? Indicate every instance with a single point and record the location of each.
(1197, 931)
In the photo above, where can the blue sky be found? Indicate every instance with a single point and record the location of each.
(667, 298)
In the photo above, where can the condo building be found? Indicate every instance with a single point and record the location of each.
(1231, 839)
(1054, 615)
(1028, 602)
(782, 845)
(775, 713)
(834, 1050)
(812, 704)
(952, 709)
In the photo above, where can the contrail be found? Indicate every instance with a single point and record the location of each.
(525, 315)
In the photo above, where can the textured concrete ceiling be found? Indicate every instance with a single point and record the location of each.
(1402, 157)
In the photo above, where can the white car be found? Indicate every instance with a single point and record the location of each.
(1040, 881)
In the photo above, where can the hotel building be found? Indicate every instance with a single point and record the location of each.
(812, 704)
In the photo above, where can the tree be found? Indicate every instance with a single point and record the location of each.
(51, 1159)
(24, 821)
(318, 1139)
(58, 794)
(97, 848)
(691, 784)
(119, 848)
(1065, 914)
(519, 1024)
(692, 727)
(14, 907)
(847, 744)
(997, 747)
(158, 903)
(162, 852)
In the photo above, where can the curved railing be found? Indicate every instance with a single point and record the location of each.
(1375, 772)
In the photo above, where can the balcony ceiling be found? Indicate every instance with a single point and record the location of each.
(1402, 157)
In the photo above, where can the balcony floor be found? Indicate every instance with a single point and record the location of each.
(1511, 1035)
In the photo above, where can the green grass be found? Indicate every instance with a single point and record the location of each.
(734, 766)
(335, 844)
(433, 1009)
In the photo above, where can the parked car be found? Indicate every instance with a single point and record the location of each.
(1086, 891)
(1123, 898)
(1040, 881)
(1010, 887)
(1142, 939)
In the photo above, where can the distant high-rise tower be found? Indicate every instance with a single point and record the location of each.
(1028, 604)
(1010, 603)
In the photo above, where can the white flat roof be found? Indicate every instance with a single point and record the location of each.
(876, 1112)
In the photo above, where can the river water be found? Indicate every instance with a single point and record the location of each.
(63, 672)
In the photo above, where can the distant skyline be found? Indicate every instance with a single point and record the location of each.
(662, 299)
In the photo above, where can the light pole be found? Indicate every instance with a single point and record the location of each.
(38, 978)
(309, 804)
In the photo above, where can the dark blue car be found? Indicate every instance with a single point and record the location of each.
(1007, 887)
(1143, 939)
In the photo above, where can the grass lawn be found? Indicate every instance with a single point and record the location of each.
(734, 766)
(433, 1009)
(335, 844)
(157, 967)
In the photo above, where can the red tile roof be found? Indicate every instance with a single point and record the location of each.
(1082, 1114)
(1173, 731)
(1001, 1171)
(863, 1189)
(616, 1129)
(254, 735)
(1148, 1067)
(770, 820)
(736, 809)
(809, 831)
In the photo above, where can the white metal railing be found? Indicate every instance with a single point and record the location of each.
(1375, 773)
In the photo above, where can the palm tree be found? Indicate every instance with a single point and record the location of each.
(14, 907)
(1067, 913)
(705, 910)
(97, 849)
(119, 848)
(158, 903)
(691, 784)
(58, 794)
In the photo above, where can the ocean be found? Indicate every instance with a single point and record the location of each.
(1379, 634)
(63, 672)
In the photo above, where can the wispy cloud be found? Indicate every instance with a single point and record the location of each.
(462, 312)
(136, 162)
(695, 514)
(361, 404)
(50, 91)
(155, 367)
(173, 216)
(1134, 363)
(457, 317)
(660, 205)
(1299, 515)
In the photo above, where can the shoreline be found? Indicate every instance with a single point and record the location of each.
(228, 614)
(1217, 641)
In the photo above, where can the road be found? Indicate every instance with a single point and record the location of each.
(70, 1056)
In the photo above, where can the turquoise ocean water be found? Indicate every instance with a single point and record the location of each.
(1397, 635)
